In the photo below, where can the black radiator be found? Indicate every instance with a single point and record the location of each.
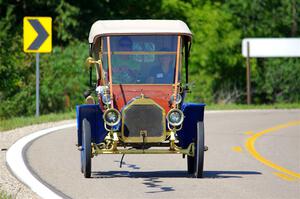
(139, 119)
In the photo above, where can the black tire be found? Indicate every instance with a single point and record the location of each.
(195, 164)
(199, 151)
(190, 164)
(81, 160)
(86, 148)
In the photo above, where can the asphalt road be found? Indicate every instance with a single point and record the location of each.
(270, 169)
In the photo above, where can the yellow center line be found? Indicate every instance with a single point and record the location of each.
(249, 133)
(237, 149)
(284, 176)
(251, 148)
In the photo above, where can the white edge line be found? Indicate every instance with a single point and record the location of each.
(14, 159)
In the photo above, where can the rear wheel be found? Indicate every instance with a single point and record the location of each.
(195, 164)
(86, 148)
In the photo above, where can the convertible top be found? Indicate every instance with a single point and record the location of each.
(111, 27)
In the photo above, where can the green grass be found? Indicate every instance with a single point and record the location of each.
(245, 106)
(4, 195)
(17, 122)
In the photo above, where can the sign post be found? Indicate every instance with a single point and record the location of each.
(37, 36)
(37, 85)
(248, 75)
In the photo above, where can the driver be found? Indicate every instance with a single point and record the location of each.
(124, 68)
(164, 73)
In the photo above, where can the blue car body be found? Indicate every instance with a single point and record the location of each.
(193, 113)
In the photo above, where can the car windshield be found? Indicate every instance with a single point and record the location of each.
(141, 59)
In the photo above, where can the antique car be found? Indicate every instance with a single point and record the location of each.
(135, 104)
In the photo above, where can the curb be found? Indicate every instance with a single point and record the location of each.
(16, 163)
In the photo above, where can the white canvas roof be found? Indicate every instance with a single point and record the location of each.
(110, 27)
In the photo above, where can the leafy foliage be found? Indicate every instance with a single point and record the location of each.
(214, 55)
(217, 69)
(62, 82)
(280, 81)
(65, 23)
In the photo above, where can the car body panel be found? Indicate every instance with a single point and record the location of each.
(193, 113)
(93, 114)
(124, 93)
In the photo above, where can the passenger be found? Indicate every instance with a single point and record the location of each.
(164, 73)
(125, 44)
(123, 66)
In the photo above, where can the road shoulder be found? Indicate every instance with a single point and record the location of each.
(8, 182)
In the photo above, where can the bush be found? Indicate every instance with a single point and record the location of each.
(278, 81)
(63, 79)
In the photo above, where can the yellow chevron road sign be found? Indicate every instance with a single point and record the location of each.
(37, 34)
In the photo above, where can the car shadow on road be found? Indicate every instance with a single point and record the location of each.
(131, 166)
(153, 180)
(171, 174)
(229, 174)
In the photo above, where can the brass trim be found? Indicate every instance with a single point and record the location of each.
(177, 150)
(110, 72)
(109, 110)
(181, 120)
(144, 101)
(90, 100)
(174, 105)
(101, 64)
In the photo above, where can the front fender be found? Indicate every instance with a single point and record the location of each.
(93, 114)
(193, 112)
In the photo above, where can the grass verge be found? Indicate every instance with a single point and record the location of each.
(4, 195)
(17, 122)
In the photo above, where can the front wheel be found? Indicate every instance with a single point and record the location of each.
(195, 164)
(86, 152)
